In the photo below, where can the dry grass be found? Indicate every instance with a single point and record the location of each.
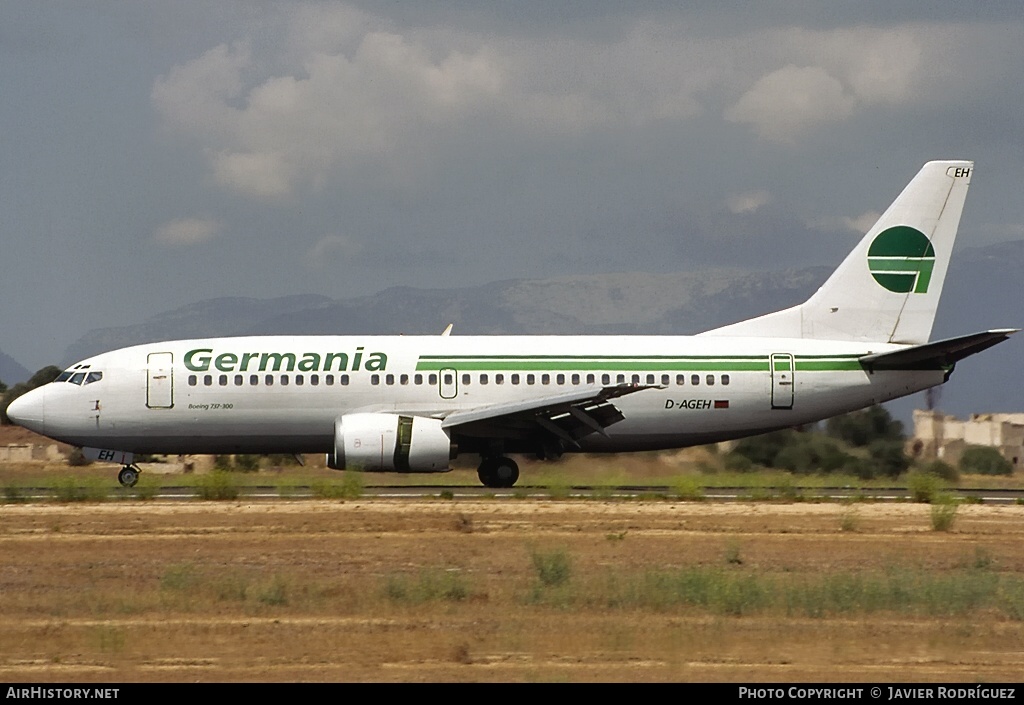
(517, 590)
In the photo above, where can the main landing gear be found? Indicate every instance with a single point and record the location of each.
(498, 472)
(128, 476)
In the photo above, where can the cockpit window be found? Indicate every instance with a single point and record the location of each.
(79, 378)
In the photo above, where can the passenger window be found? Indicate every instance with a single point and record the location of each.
(300, 380)
(515, 379)
(575, 379)
(254, 380)
(590, 379)
(404, 379)
(269, 380)
(314, 380)
(344, 380)
(483, 379)
(695, 380)
(620, 379)
(192, 380)
(725, 379)
(375, 380)
(650, 379)
(284, 380)
(545, 379)
(530, 378)
(680, 380)
(448, 378)
(606, 379)
(664, 380)
(711, 380)
(389, 379)
(238, 380)
(560, 379)
(432, 379)
(465, 379)
(328, 380)
(499, 379)
(207, 380)
(417, 379)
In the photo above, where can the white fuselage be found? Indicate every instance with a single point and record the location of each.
(283, 394)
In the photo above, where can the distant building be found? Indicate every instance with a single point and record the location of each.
(945, 437)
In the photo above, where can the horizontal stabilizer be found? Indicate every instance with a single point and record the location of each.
(938, 355)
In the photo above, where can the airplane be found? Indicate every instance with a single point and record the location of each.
(411, 404)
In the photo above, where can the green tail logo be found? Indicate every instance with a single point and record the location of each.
(901, 259)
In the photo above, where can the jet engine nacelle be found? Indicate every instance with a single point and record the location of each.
(390, 443)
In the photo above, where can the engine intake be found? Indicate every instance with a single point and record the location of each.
(390, 443)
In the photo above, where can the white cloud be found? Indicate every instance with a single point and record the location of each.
(332, 248)
(748, 202)
(860, 224)
(327, 89)
(186, 231)
(784, 103)
(345, 91)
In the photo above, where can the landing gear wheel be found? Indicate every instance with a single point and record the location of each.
(128, 476)
(498, 472)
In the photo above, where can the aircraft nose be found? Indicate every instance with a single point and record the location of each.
(29, 410)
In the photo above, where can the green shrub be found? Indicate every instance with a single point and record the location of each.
(924, 486)
(69, 489)
(888, 457)
(848, 521)
(688, 489)
(217, 485)
(944, 512)
(274, 592)
(863, 468)
(13, 494)
(941, 469)
(864, 427)
(983, 460)
(553, 568)
(736, 462)
(798, 452)
(247, 463)
(763, 449)
(429, 585)
(76, 458)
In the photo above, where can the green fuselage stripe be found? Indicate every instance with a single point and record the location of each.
(609, 363)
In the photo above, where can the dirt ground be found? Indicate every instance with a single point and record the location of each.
(441, 590)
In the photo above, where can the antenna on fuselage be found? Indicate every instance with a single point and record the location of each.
(447, 331)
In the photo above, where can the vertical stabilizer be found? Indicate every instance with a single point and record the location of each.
(888, 288)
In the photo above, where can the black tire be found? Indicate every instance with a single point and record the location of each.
(486, 473)
(128, 476)
(506, 472)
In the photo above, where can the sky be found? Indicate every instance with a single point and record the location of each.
(155, 154)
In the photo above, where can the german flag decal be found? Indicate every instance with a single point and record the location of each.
(721, 403)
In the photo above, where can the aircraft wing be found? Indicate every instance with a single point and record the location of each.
(937, 355)
(568, 417)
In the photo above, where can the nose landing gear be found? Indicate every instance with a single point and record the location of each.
(128, 476)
